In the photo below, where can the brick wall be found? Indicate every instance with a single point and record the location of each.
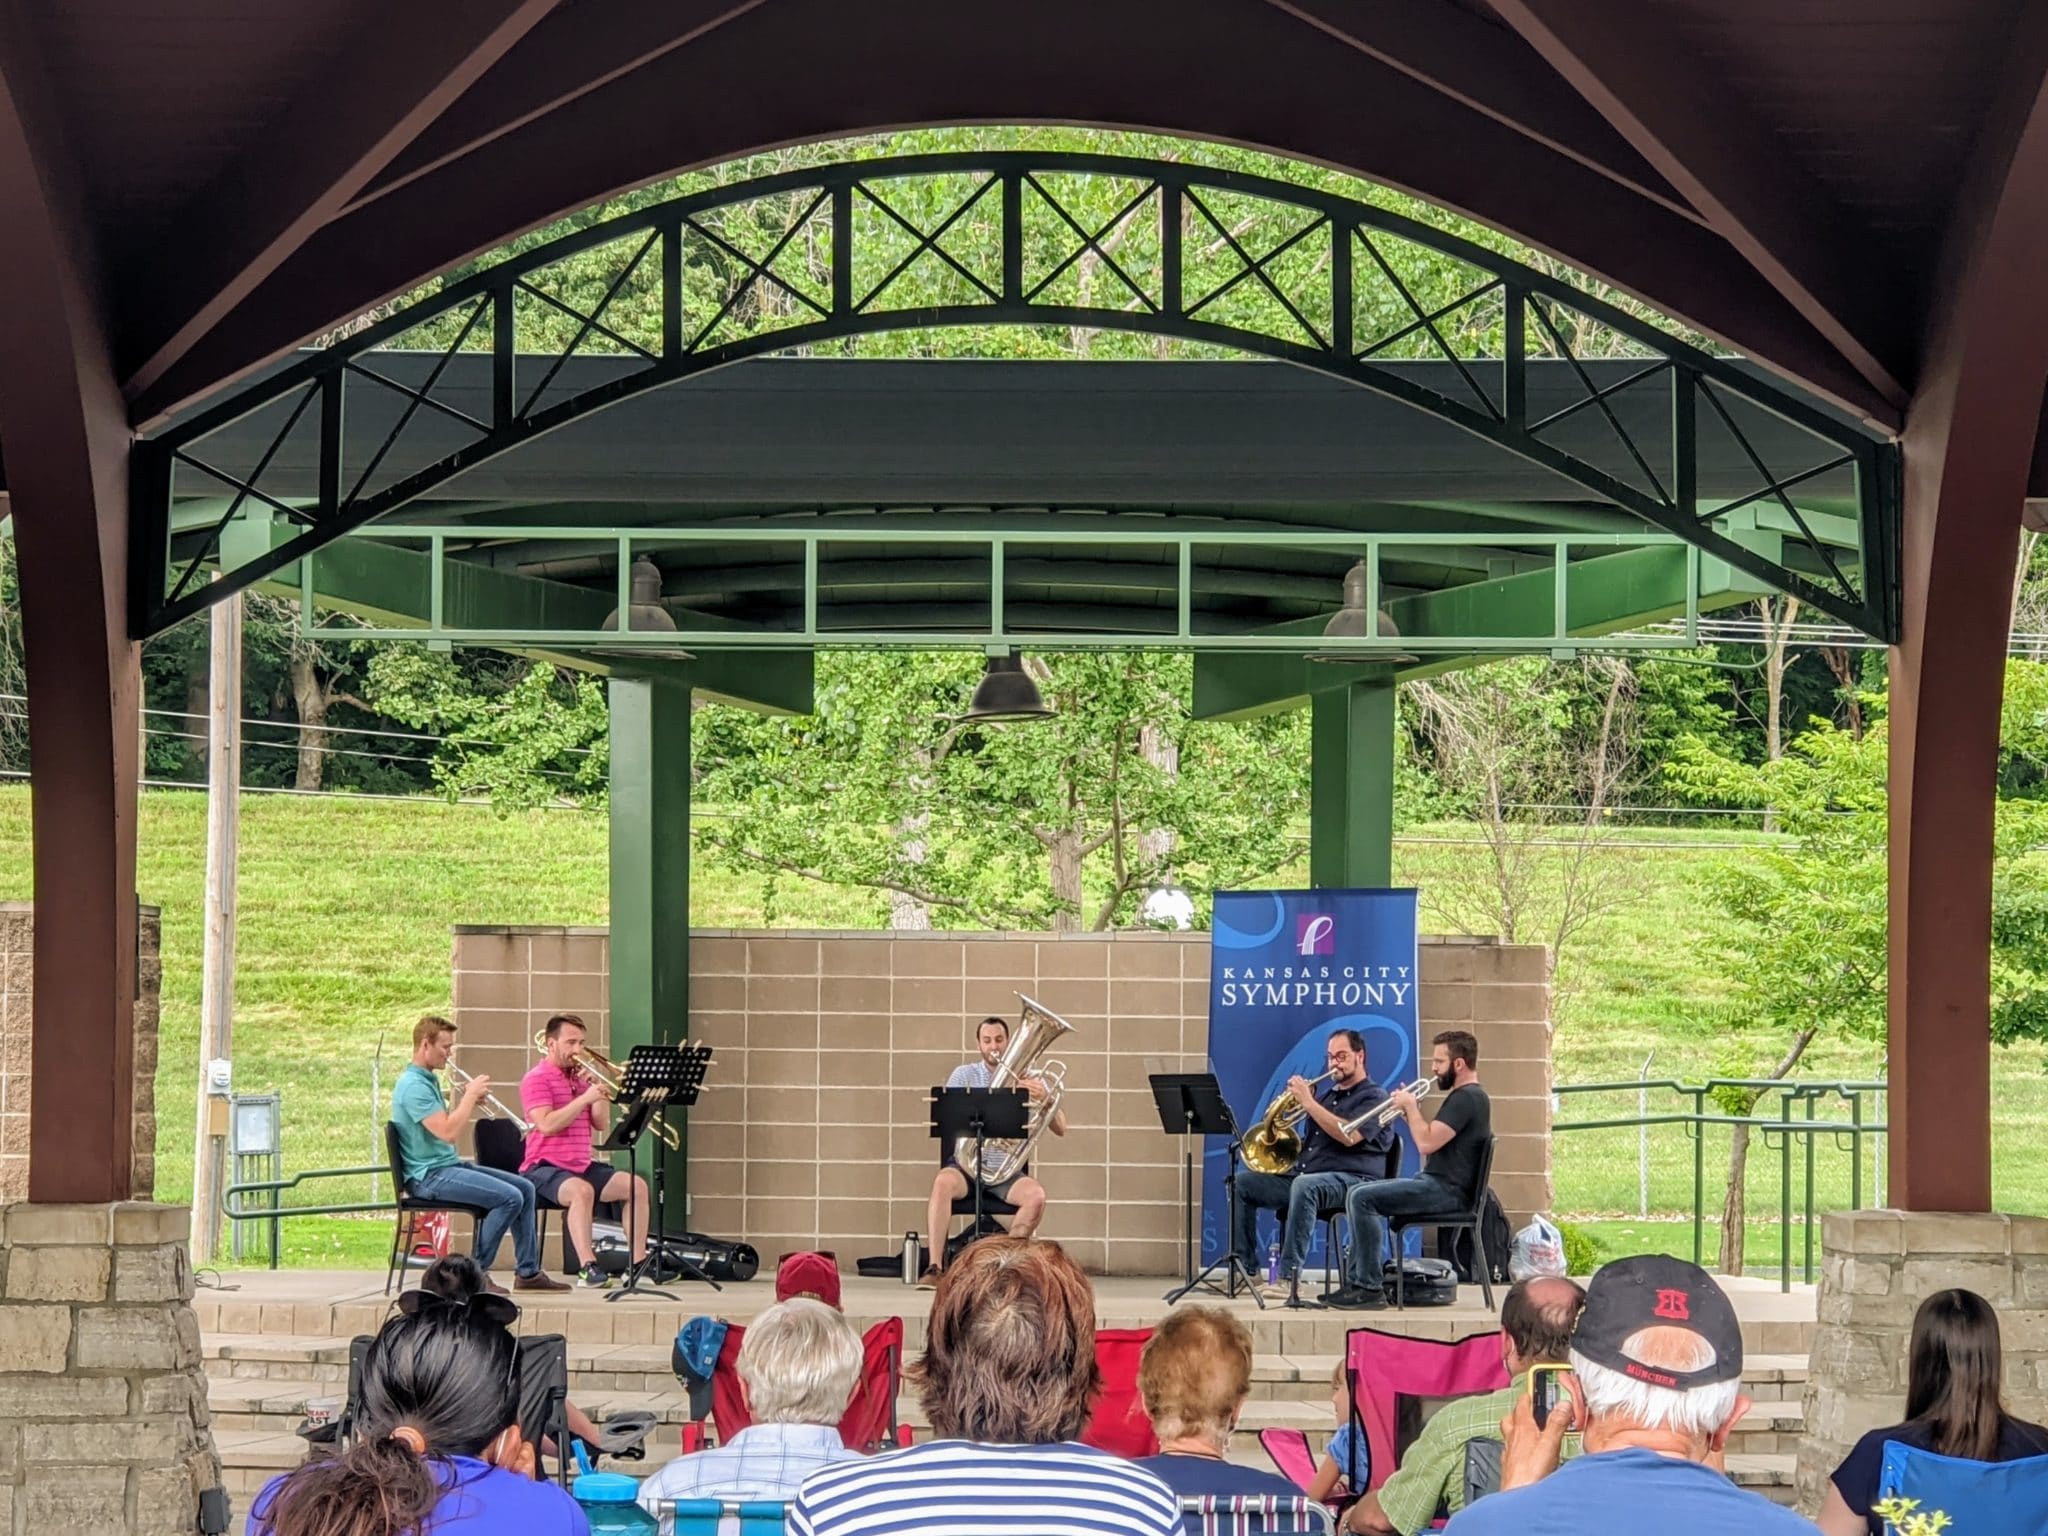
(17, 996)
(813, 1127)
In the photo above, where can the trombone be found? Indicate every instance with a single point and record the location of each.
(610, 1076)
(1385, 1112)
(493, 1108)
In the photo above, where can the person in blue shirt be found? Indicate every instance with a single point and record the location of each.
(1656, 1386)
(437, 1448)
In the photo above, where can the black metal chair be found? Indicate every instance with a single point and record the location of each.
(502, 1145)
(411, 1207)
(1334, 1244)
(977, 1204)
(1468, 1220)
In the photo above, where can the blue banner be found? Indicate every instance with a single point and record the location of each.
(1286, 970)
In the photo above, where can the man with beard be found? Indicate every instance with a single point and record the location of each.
(1452, 1146)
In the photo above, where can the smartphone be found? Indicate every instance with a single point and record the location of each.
(1546, 1391)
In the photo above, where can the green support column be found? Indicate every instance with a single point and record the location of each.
(1351, 785)
(650, 911)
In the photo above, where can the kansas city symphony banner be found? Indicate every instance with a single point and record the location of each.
(1286, 969)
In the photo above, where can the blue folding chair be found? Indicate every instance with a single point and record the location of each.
(1254, 1514)
(1975, 1495)
(701, 1517)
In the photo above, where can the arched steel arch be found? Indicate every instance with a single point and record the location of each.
(1311, 319)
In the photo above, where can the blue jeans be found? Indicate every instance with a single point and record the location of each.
(1369, 1204)
(1302, 1197)
(507, 1201)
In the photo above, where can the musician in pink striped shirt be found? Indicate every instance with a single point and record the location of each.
(568, 1111)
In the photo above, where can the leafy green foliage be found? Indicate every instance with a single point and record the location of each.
(1581, 1250)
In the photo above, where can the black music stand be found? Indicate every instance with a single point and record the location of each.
(979, 1114)
(1190, 1104)
(656, 1077)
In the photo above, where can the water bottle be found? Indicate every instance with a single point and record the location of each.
(911, 1255)
(607, 1501)
(1273, 1265)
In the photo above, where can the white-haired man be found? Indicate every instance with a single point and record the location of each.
(798, 1366)
(1656, 1386)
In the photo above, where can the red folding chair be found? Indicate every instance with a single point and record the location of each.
(870, 1422)
(1119, 1423)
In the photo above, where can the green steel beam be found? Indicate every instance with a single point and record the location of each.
(1351, 785)
(650, 879)
(391, 588)
(1605, 594)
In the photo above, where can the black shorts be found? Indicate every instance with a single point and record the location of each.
(547, 1180)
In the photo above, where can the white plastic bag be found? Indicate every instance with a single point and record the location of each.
(1538, 1252)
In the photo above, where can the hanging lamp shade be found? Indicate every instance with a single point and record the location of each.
(1348, 622)
(648, 614)
(1006, 692)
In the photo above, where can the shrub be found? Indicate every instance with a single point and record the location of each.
(1581, 1252)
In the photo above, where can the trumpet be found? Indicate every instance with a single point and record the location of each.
(1385, 1112)
(492, 1107)
(1274, 1144)
(610, 1076)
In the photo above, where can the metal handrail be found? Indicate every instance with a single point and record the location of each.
(274, 1211)
(1790, 1092)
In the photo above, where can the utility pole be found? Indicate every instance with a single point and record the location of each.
(217, 977)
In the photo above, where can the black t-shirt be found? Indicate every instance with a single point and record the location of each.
(1323, 1153)
(1858, 1475)
(1469, 1113)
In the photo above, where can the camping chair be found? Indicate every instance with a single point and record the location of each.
(1290, 1454)
(870, 1422)
(1118, 1422)
(1482, 1469)
(1386, 1368)
(1252, 1514)
(501, 1145)
(702, 1517)
(1976, 1495)
(411, 1207)
(543, 1395)
(1469, 1221)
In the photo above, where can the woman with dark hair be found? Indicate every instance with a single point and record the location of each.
(1007, 1379)
(1954, 1375)
(438, 1450)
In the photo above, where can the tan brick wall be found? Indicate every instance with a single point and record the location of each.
(17, 997)
(813, 1128)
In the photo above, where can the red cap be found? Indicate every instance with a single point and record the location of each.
(807, 1274)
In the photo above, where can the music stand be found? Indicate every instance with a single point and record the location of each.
(960, 1114)
(656, 1077)
(1192, 1104)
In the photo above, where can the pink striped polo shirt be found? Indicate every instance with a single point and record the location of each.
(548, 1087)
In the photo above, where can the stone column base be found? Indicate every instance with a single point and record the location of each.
(1878, 1266)
(103, 1416)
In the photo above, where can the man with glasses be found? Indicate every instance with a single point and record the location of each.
(1332, 1161)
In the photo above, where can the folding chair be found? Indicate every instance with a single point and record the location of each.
(1976, 1495)
(1252, 1514)
(411, 1207)
(1290, 1454)
(543, 1395)
(870, 1422)
(1470, 1220)
(500, 1145)
(1482, 1469)
(702, 1517)
(1118, 1422)
(1385, 1368)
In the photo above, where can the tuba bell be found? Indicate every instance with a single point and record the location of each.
(1274, 1144)
(1037, 1028)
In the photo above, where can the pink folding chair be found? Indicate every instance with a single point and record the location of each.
(1384, 1368)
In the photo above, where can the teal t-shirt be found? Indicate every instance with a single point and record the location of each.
(417, 1095)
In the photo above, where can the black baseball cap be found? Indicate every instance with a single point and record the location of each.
(1657, 1291)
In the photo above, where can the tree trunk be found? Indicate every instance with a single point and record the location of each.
(906, 912)
(310, 699)
(1778, 622)
(1063, 856)
(1842, 663)
(1734, 1206)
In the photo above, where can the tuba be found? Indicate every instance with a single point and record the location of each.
(1037, 1028)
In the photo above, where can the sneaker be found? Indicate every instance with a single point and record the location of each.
(593, 1278)
(929, 1280)
(540, 1281)
(1270, 1293)
(1355, 1299)
(493, 1288)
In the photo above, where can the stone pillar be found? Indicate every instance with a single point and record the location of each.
(1878, 1266)
(17, 1000)
(103, 1416)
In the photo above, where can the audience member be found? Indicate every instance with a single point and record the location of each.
(1194, 1376)
(438, 1447)
(1536, 1321)
(1656, 1386)
(1954, 1376)
(1343, 1464)
(808, 1274)
(1006, 1379)
(798, 1365)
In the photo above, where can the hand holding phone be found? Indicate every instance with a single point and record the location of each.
(1547, 1392)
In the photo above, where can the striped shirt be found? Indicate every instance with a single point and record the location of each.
(547, 1087)
(762, 1461)
(961, 1488)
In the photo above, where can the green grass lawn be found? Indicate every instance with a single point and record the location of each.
(346, 907)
